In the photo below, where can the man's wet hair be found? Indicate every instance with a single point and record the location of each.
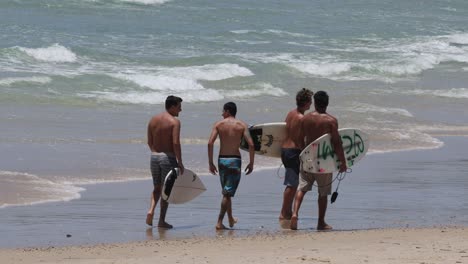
(231, 108)
(172, 100)
(303, 97)
(321, 99)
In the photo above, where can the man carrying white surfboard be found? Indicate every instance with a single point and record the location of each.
(314, 125)
(291, 148)
(164, 143)
(230, 131)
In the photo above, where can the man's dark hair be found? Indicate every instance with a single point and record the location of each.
(172, 100)
(231, 108)
(303, 97)
(321, 99)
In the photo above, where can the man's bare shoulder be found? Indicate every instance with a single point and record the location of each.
(294, 114)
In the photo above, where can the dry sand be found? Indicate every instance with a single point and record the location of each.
(426, 245)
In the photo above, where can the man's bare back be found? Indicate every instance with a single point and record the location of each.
(161, 133)
(230, 132)
(317, 124)
(294, 131)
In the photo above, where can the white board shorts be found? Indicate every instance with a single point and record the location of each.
(324, 182)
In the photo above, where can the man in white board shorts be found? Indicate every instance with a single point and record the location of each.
(230, 131)
(291, 148)
(314, 125)
(164, 143)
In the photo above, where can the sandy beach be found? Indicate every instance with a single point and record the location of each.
(427, 245)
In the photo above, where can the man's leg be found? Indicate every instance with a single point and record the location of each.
(232, 219)
(162, 217)
(155, 195)
(297, 205)
(288, 198)
(322, 209)
(224, 207)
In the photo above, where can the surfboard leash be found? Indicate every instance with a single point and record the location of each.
(340, 176)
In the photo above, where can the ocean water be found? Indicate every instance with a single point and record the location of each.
(79, 79)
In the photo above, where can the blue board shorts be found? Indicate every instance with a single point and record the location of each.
(229, 173)
(292, 163)
(161, 163)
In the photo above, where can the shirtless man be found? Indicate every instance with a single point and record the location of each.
(314, 125)
(164, 143)
(291, 148)
(230, 131)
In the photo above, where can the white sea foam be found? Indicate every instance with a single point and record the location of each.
(164, 81)
(365, 108)
(146, 2)
(194, 93)
(323, 69)
(265, 89)
(451, 93)
(54, 53)
(252, 42)
(185, 78)
(33, 79)
(20, 188)
(204, 95)
(387, 60)
(242, 31)
(461, 38)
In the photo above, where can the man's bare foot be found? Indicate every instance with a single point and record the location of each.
(294, 223)
(164, 225)
(221, 227)
(324, 227)
(287, 217)
(285, 224)
(232, 222)
(149, 219)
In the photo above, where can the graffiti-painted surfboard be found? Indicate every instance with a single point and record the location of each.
(319, 156)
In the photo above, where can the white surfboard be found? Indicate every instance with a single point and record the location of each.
(178, 189)
(267, 139)
(319, 156)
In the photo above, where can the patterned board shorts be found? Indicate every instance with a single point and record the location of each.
(161, 164)
(229, 173)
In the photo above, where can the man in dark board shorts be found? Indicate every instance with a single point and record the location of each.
(164, 143)
(291, 148)
(230, 131)
(314, 125)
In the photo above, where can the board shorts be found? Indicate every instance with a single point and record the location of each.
(229, 173)
(161, 163)
(324, 182)
(292, 163)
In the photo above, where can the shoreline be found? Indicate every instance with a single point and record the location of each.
(115, 212)
(401, 245)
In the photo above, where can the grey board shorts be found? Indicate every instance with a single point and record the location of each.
(161, 164)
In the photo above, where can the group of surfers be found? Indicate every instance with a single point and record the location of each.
(302, 129)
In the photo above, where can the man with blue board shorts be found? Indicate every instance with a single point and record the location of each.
(164, 143)
(314, 125)
(230, 131)
(291, 148)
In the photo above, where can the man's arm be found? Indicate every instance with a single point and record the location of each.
(213, 136)
(176, 145)
(249, 140)
(338, 145)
